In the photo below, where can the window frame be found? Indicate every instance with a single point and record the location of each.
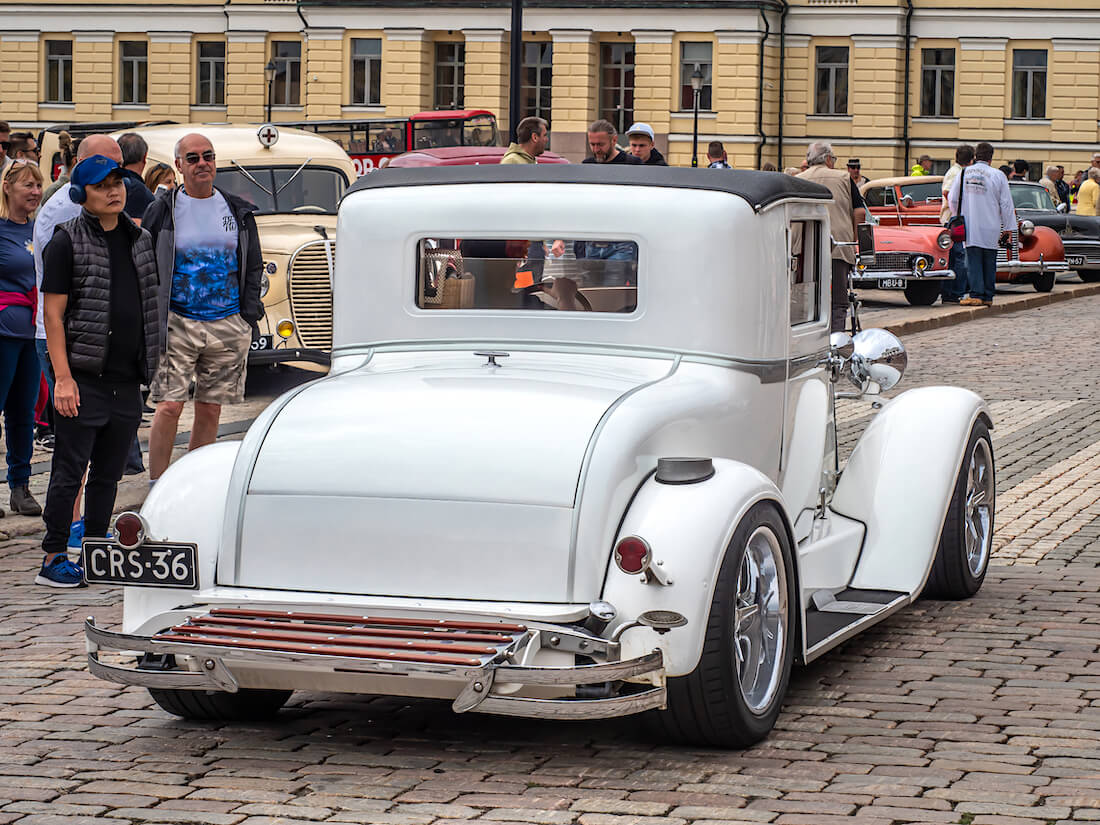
(687, 68)
(204, 65)
(620, 115)
(1026, 112)
(63, 65)
(371, 66)
(455, 61)
(819, 270)
(531, 94)
(832, 69)
(138, 92)
(289, 67)
(936, 106)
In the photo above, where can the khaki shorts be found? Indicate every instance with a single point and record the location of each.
(213, 352)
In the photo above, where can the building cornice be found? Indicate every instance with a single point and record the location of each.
(652, 36)
(983, 44)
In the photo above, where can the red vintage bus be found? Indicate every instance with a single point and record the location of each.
(371, 143)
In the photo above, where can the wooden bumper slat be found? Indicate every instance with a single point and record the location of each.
(325, 650)
(352, 630)
(387, 621)
(333, 636)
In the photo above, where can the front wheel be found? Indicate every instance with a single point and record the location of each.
(966, 541)
(734, 695)
(922, 293)
(1089, 276)
(1044, 282)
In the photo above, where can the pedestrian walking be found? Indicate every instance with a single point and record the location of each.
(20, 195)
(641, 140)
(952, 291)
(846, 209)
(209, 261)
(716, 156)
(1048, 182)
(1088, 196)
(923, 166)
(138, 197)
(986, 206)
(854, 171)
(532, 135)
(602, 137)
(103, 334)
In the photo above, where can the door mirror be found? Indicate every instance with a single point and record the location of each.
(865, 237)
(907, 201)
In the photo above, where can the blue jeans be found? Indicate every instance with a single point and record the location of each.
(981, 270)
(956, 261)
(19, 376)
(44, 360)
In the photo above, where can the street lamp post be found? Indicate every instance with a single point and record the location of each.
(515, 63)
(696, 89)
(269, 75)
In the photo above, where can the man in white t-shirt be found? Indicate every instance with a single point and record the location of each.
(208, 259)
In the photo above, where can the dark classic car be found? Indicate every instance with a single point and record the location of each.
(1080, 233)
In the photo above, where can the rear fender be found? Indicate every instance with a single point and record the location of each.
(899, 481)
(186, 504)
(688, 528)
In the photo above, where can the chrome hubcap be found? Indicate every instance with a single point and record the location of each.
(760, 620)
(978, 509)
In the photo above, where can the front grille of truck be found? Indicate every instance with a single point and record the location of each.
(310, 292)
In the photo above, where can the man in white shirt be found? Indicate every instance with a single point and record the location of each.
(990, 217)
(952, 292)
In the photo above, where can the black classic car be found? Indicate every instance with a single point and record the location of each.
(1080, 233)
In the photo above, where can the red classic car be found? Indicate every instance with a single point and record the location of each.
(913, 258)
(1034, 255)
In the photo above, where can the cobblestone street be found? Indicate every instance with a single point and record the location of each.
(984, 711)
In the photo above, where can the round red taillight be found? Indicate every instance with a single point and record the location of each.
(129, 530)
(632, 555)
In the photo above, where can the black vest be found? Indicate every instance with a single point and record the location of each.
(87, 315)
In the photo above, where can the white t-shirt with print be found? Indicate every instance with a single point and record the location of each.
(205, 284)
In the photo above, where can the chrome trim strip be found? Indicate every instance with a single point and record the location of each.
(574, 708)
(907, 274)
(1032, 266)
(581, 674)
(855, 628)
(139, 677)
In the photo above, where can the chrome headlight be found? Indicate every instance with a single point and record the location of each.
(878, 362)
(943, 240)
(920, 264)
(265, 284)
(1027, 228)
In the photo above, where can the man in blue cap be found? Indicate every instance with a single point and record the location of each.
(102, 332)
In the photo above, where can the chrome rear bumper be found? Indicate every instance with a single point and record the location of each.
(216, 661)
(871, 275)
(1018, 267)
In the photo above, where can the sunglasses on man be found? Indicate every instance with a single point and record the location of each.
(5, 145)
(194, 157)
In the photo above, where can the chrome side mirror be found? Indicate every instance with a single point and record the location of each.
(877, 362)
(1062, 207)
(840, 351)
(907, 201)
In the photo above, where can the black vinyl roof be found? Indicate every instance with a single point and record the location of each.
(758, 188)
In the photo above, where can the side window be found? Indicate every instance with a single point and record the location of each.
(805, 272)
(875, 196)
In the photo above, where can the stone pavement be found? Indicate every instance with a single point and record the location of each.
(985, 711)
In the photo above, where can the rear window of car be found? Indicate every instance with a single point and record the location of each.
(559, 275)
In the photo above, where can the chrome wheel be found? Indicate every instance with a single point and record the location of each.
(978, 508)
(760, 619)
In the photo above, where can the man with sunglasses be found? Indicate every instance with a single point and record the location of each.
(209, 261)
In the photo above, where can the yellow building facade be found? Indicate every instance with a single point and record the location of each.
(884, 80)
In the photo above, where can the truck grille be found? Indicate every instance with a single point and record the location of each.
(311, 294)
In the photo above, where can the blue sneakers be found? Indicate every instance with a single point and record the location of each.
(61, 572)
(76, 534)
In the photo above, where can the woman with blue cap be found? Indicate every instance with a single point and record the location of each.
(103, 336)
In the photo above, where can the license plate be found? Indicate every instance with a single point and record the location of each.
(891, 283)
(153, 564)
(1075, 260)
(262, 342)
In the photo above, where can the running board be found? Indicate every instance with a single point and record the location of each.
(833, 619)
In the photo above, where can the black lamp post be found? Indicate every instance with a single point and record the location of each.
(515, 72)
(269, 75)
(696, 89)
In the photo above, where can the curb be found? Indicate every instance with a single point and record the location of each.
(963, 314)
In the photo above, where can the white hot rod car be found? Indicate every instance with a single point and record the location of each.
(576, 457)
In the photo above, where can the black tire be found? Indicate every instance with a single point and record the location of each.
(246, 705)
(922, 293)
(706, 707)
(1044, 282)
(1089, 276)
(952, 576)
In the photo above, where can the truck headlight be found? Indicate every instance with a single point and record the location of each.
(1027, 228)
(265, 284)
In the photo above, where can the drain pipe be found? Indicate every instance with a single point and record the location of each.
(905, 105)
(760, 91)
(782, 77)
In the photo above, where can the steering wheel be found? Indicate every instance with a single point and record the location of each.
(547, 287)
(309, 207)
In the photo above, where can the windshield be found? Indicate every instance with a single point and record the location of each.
(1031, 197)
(479, 130)
(277, 188)
(522, 274)
(923, 191)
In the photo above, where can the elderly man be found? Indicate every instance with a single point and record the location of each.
(1088, 196)
(601, 141)
(532, 136)
(1050, 174)
(846, 209)
(208, 258)
(640, 138)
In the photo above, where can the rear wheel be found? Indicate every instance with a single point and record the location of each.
(966, 541)
(1089, 276)
(1044, 282)
(217, 706)
(734, 695)
(922, 293)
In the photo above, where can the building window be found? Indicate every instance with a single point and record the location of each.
(937, 83)
(287, 85)
(366, 71)
(211, 74)
(538, 73)
(134, 71)
(695, 56)
(617, 84)
(59, 71)
(1029, 83)
(450, 75)
(831, 88)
